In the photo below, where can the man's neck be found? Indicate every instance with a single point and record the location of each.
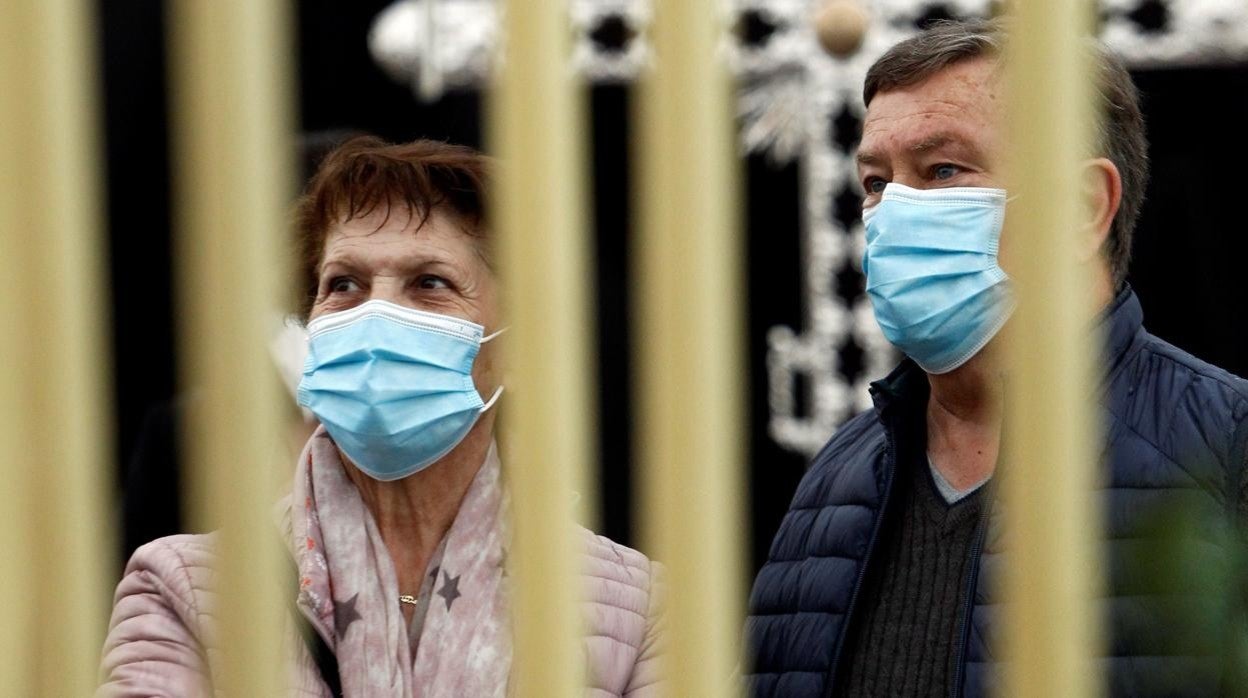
(965, 405)
(964, 420)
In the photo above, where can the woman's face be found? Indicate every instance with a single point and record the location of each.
(436, 269)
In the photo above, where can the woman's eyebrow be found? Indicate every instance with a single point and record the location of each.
(411, 265)
(346, 261)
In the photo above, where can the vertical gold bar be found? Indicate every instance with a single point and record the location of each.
(54, 383)
(535, 128)
(232, 121)
(1048, 486)
(688, 342)
(16, 527)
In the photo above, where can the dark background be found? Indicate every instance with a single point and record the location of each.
(1188, 268)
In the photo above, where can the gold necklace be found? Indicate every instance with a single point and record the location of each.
(408, 599)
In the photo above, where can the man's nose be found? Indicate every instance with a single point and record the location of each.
(909, 179)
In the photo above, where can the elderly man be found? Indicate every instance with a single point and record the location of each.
(881, 579)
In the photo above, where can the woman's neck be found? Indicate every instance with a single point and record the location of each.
(413, 514)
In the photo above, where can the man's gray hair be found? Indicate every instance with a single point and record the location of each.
(1121, 136)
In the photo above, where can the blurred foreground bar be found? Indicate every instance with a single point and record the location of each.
(689, 340)
(55, 430)
(232, 118)
(535, 129)
(1050, 471)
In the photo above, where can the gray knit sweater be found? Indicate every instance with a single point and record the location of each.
(903, 637)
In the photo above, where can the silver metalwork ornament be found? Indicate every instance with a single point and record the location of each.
(796, 103)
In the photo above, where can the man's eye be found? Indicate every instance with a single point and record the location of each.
(945, 171)
(874, 185)
(429, 281)
(342, 284)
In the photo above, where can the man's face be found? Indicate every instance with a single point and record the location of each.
(942, 132)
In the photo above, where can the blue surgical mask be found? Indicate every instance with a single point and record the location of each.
(932, 273)
(392, 385)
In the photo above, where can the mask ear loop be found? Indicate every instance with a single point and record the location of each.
(493, 399)
(488, 337)
(497, 393)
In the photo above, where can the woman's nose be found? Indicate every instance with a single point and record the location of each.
(389, 289)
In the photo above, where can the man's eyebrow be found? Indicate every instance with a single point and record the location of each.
(937, 141)
(867, 158)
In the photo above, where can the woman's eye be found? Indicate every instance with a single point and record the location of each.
(342, 284)
(429, 281)
(874, 185)
(945, 171)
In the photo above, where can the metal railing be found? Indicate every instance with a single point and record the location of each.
(535, 126)
(55, 428)
(1049, 478)
(233, 119)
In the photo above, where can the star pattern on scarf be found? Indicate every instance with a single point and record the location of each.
(345, 614)
(450, 589)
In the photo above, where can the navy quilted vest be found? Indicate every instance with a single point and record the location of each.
(1175, 451)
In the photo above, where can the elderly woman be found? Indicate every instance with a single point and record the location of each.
(397, 517)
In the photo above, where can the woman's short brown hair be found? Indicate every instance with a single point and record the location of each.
(366, 173)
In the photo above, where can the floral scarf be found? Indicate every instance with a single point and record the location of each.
(349, 589)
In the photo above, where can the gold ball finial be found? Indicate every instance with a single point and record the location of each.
(841, 26)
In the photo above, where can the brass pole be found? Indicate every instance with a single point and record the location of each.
(1051, 462)
(535, 128)
(56, 433)
(689, 340)
(16, 508)
(232, 119)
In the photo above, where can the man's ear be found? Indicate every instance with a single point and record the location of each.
(1102, 195)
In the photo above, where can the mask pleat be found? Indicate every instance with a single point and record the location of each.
(932, 272)
(392, 386)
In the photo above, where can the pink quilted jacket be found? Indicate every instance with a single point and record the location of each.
(159, 640)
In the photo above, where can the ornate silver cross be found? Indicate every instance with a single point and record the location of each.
(796, 102)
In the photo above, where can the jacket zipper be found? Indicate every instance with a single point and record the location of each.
(890, 472)
(972, 578)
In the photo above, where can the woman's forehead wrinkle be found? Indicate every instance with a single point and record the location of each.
(395, 251)
(361, 249)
